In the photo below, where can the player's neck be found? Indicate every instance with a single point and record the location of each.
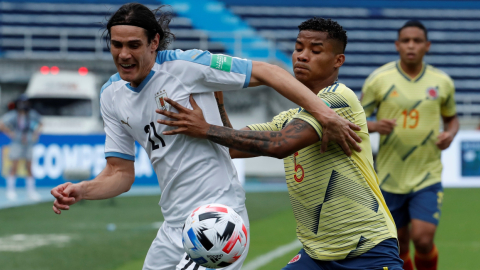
(412, 70)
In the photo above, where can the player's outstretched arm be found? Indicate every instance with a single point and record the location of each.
(451, 126)
(116, 178)
(335, 128)
(296, 135)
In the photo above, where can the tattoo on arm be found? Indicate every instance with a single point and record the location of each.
(265, 143)
(223, 114)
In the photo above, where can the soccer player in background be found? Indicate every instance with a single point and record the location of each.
(22, 125)
(342, 219)
(191, 172)
(410, 96)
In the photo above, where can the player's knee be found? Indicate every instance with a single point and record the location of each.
(423, 243)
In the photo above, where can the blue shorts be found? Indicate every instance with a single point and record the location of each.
(424, 204)
(383, 256)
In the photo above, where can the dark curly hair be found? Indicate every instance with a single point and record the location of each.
(335, 31)
(153, 21)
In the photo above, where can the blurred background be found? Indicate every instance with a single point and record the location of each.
(53, 52)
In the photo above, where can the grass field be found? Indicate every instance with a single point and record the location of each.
(79, 239)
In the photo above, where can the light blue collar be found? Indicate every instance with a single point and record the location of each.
(144, 82)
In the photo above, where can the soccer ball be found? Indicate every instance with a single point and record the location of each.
(214, 236)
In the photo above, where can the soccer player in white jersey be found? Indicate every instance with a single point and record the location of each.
(191, 172)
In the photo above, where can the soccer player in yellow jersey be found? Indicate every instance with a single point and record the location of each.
(342, 219)
(409, 96)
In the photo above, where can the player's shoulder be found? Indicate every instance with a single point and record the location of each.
(440, 74)
(382, 71)
(193, 56)
(113, 82)
(337, 91)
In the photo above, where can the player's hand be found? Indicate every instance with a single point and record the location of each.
(66, 195)
(188, 122)
(341, 131)
(385, 126)
(444, 140)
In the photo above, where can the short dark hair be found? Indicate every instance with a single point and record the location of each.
(335, 31)
(417, 24)
(153, 21)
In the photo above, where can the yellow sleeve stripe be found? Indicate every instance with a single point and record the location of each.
(261, 127)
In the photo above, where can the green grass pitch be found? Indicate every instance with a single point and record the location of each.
(93, 247)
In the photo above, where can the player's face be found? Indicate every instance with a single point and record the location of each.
(132, 54)
(314, 58)
(412, 45)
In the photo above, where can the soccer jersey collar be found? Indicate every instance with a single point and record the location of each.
(405, 75)
(144, 82)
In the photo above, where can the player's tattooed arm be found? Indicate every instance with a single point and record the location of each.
(295, 136)
(221, 109)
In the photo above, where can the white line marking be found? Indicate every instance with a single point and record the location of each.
(270, 256)
(24, 242)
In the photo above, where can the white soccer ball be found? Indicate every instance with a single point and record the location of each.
(214, 236)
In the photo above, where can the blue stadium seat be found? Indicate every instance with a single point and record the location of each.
(75, 29)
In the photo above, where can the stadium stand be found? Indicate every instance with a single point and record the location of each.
(60, 29)
(372, 32)
(73, 30)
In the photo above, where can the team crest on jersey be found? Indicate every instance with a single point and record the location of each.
(432, 93)
(295, 259)
(160, 99)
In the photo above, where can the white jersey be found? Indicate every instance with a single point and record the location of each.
(191, 172)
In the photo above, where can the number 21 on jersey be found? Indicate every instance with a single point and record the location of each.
(149, 130)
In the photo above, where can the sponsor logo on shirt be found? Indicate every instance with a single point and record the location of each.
(221, 62)
(160, 99)
(125, 123)
(295, 259)
(432, 93)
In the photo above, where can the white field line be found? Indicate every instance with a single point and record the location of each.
(25, 242)
(270, 256)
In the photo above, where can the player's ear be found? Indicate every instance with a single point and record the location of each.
(155, 42)
(428, 45)
(339, 60)
(397, 45)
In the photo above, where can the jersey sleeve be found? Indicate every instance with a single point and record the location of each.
(278, 122)
(201, 71)
(448, 106)
(368, 99)
(339, 101)
(118, 143)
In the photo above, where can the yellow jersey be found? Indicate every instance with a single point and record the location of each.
(336, 200)
(408, 159)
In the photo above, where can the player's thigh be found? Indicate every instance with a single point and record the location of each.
(166, 250)
(426, 204)
(398, 206)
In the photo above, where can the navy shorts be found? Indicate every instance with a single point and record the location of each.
(424, 204)
(383, 256)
